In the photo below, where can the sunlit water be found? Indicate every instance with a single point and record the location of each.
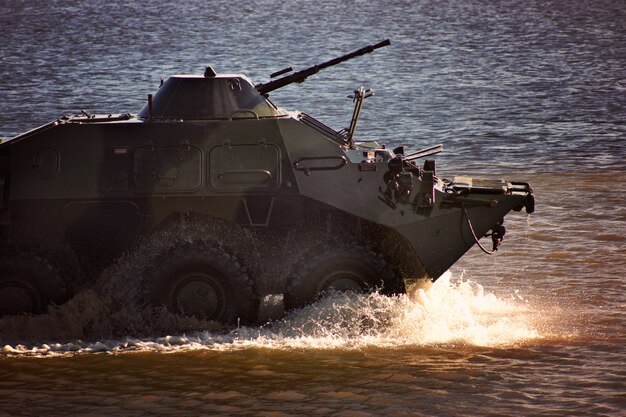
(533, 91)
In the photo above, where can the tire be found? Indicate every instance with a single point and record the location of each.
(28, 284)
(204, 282)
(343, 268)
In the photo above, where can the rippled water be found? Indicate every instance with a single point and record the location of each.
(524, 90)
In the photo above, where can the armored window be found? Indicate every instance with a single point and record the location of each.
(244, 167)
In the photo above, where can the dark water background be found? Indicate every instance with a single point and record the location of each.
(532, 90)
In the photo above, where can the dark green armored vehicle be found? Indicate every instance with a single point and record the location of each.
(274, 202)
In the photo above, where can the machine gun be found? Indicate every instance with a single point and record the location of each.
(300, 76)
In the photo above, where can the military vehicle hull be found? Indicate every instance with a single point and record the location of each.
(244, 198)
(82, 191)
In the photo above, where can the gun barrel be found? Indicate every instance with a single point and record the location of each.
(300, 76)
(432, 150)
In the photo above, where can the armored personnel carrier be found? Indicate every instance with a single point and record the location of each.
(286, 204)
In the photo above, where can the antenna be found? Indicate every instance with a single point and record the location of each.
(358, 97)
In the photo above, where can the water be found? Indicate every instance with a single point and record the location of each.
(532, 91)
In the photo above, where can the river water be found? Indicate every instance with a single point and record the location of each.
(531, 90)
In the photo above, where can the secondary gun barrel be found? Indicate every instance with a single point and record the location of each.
(300, 76)
(431, 150)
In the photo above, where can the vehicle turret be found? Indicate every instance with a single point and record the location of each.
(207, 97)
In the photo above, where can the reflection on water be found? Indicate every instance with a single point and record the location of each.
(344, 355)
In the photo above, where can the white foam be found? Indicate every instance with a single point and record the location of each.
(456, 311)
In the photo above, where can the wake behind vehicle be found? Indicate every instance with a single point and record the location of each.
(275, 202)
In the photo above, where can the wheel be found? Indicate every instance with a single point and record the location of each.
(28, 284)
(344, 268)
(204, 282)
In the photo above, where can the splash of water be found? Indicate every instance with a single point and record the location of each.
(456, 311)
(449, 311)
